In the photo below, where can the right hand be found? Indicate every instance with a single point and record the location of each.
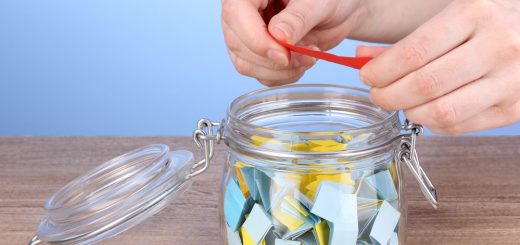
(319, 25)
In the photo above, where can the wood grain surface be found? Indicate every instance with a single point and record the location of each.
(477, 180)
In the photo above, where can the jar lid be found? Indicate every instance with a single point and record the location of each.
(115, 196)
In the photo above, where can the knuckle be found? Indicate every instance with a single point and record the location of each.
(296, 19)
(243, 67)
(428, 84)
(231, 43)
(481, 11)
(228, 10)
(444, 114)
(416, 54)
(258, 46)
(510, 48)
(513, 40)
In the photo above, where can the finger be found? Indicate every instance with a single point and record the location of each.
(249, 69)
(436, 37)
(244, 19)
(494, 117)
(298, 18)
(442, 76)
(458, 105)
(273, 83)
(236, 46)
(370, 51)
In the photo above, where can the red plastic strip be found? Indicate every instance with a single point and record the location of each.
(353, 62)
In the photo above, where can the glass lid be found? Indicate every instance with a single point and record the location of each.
(115, 196)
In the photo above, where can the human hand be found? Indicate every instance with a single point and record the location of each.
(457, 73)
(319, 25)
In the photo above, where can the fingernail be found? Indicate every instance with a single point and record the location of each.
(285, 28)
(302, 61)
(278, 57)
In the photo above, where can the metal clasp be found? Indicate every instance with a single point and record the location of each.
(204, 138)
(408, 155)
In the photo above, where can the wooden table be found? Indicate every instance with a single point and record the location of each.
(478, 181)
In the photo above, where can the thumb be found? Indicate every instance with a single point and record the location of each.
(298, 18)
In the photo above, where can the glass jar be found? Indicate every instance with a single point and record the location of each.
(307, 164)
(314, 164)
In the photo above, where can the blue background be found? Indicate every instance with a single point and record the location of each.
(111, 67)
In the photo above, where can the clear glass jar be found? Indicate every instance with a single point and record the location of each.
(312, 164)
(307, 164)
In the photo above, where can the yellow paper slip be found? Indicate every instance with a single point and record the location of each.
(246, 238)
(296, 205)
(321, 232)
(292, 223)
(241, 180)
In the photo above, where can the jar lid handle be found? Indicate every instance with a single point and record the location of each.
(204, 138)
(408, 155)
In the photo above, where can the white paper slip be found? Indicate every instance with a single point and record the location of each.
(343, 233)
(394, 240)
(286, 242)
(257, 224)
(335, 203)
(385, 223)
(233, 237)
(383, 183)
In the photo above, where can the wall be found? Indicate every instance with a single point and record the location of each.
(123, 68)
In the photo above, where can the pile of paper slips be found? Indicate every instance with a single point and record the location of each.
(312, 206)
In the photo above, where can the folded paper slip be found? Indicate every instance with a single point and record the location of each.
(259, 184)
(334, 202)
(247, 240)
(343, 233)
(321, 233)
(235, 205)
(385, 223)
(257, 224)
(384, 185)
(286, 242)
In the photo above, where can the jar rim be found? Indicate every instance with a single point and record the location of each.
(248, 112)
(246, 124)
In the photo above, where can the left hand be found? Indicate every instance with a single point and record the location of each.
(457, 73)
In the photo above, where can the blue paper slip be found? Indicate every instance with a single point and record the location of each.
(233, 237)
(384, 185)
(385, 223)
(271, 237)
(343, 233)
(249, 177)
(263, 186)
(235, 205)
(286, 242)
(259, 185)
(335, 203)
(257, 224)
